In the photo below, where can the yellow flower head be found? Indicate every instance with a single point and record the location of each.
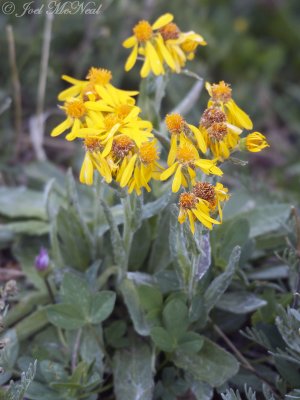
(161, 44)
(256, 142)
(146, 41)
(143, 31)
(140, 168)
(186, 162)
(221, 97)
(221, 92)
(148, 153)
(175, 123)
(189, 206)
(76, 113)
(181, 130)
(123, 121)
(99, 76)
(190, 42)
(94, 161)
(88, 89)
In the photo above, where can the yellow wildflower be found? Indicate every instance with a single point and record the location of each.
(220, 94)
(76, 112)
(94, 160)
(144, 41)
(187, 160)
(178, 127)
(180, 45)
(256, 142)
(107, 127)
(211, 195)
(141, 168)
(190, 42)
(191, 207)
(96, 77)
(110, 100)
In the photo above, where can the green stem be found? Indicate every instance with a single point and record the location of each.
(128, 231)
(49, 289)
(103, 278)
(76, 349)
(163, 139)
(98, 194)
(191, 283)
(62, 338)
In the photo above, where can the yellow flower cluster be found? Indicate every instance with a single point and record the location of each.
(184, 162)
(120, 145)
(117, 142)
(218, 135)
(223, 122)
(161, 45)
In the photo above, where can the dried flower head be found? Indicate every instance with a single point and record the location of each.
(205, 191)
(211, 116)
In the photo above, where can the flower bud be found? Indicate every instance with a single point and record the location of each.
(42, 260)
(254, 142)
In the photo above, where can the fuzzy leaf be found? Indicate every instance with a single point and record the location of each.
(162, 339)
(219, 285)
(133, 377)
(240, 302)
(65, 316)
(212, 364)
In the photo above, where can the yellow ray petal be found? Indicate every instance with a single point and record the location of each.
(177, 180)
(165, 53)
(131, 60)
(128, 171)
(181, 216)
(208, 88)
(107, 147)
(168, 172)
(98, 106)
(146, 68)
(129, 42)
(72, 80)
(162, 21)
(191, 220)
(199, 138)
(173, 150)
(63, 126)
(238, 116)
(155, 61)
(75, 128)
(87, 170)
(133, 114)
(102, 166)
(70, 92)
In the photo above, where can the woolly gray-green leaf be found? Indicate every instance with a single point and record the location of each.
(211, 364)
(133, 376)
(219, 285)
